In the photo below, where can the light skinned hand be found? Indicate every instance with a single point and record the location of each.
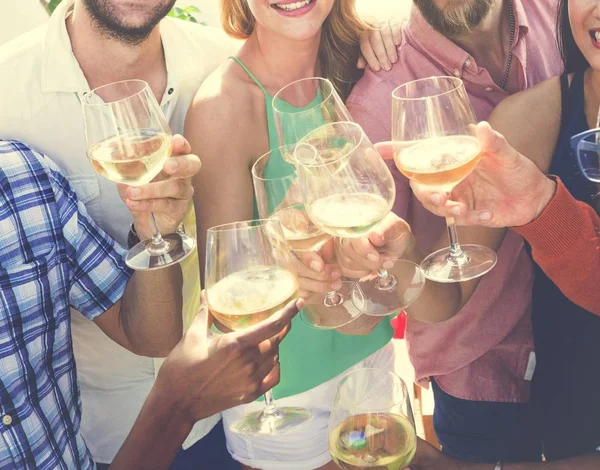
(390, 240)
(207, 373)
(379, 45)
(169, 196)
(317, 273)
(506, 189)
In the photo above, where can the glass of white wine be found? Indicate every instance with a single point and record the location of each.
(249, 276)
(279, 196)
(348, 189)
(372, 424)
(433, 124)
(128, 142)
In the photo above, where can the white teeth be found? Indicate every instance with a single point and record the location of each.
(597, 35)
(292, 6)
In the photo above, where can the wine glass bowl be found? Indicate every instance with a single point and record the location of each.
(128, 142)
(433, 127)
(371, 423)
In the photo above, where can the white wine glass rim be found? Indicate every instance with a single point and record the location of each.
(458, 83)
(281, 149)
(347, 154)
(325, 98)
(390, 373)
(143, 87)
(244, 225)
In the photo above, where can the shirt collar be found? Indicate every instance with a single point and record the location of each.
(61, 71)
(446, 53)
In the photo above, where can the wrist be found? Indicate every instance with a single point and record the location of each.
(170, 404)
(545, 195)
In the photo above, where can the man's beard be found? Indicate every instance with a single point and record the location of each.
(455, 21)
(108, 22)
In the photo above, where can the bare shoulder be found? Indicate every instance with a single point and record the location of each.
(530, 120)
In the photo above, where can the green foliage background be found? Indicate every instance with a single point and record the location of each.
(190, 13)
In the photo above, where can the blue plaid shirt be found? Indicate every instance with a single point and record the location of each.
(52, 256)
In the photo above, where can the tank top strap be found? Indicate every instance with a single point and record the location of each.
(273, 141)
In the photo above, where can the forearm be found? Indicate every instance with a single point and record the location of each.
(156, 436)
(151, 311)
(565, 243)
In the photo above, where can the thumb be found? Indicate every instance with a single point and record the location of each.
(389, 229)
(495, 144)
(180, 145)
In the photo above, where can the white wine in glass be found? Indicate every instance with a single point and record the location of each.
(433, 124)
(249, 276)
(279, 197)
(371, 425)
(129, 141)
(349, 190)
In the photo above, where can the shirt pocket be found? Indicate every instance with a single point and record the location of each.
(85, 185)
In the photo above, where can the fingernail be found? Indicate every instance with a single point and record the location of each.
(373, 257)
(436, 198)
(335, 273)
(456, 210)
(315, 266)
(134, 192)
(171, 166)
(387, 66)
(377, 68)
(133, 203)
(336, 285)
(389, 264)
(485, 216)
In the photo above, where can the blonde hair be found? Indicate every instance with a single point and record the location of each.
(339, 49)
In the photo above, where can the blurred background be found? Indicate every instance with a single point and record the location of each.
(19, 16)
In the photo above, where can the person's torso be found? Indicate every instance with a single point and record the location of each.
(40, 99)
(567, 378)
(308, 356)
(40, 411)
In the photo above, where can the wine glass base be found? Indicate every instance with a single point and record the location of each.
(281, 421)
(476, 261)
(317, 314)
(143, 258)
(386, 296)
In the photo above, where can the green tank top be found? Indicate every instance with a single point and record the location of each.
(308, 356)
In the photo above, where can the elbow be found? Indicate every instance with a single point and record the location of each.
(159, 349)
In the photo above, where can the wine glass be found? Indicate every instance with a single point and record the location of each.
(249, 276)
(280, 198)
(128, 142)
(348, 189)
(372, 424)
(304, 105)
(433, 120)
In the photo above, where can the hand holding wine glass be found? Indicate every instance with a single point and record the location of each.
(129, 141)
(505, 190)
(170, 197)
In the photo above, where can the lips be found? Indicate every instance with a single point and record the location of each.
(595, 35)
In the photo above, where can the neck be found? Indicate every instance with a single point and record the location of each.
(490, 39)
(282, 60)
(104, 59)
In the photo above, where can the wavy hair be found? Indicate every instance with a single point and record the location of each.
(339, 48)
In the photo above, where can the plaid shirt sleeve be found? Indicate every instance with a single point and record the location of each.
(98, 271)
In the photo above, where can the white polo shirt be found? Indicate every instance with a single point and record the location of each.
(40, 88)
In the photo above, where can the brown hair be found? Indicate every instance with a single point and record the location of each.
(339, 49)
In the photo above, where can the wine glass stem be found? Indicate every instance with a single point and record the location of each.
(270, 411)
(332, 299)
(158, 246)
(456, 252)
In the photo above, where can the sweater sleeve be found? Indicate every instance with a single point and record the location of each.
(566, 245)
